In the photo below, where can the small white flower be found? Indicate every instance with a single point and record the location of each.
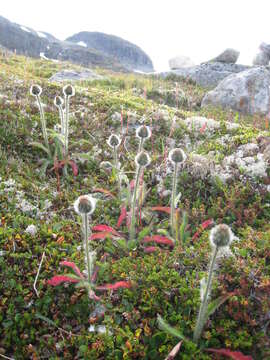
(31, 230)
(68, 90)
(114, 141)
(177, 156)
(85, 204)
(221, 236)
(143, 132)
(58, 101)
(35, 90)
(142, 159)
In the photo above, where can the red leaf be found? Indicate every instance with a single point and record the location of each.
(174, 351)
(101, 235)
(74, 167)
(95, 274)
(59, 279)
(150, 249)
(159, 240)
(204, 226)
(235, 355)
(202, 129)
(122, 216)
(72, 266)
(207, 223)
(165, 209)
(103, 191)
(115, 286)
(106, 228)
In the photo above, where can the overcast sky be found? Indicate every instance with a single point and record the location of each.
(200, 29)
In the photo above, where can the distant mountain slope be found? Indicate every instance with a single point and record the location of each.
(128, 54)
(29, 42)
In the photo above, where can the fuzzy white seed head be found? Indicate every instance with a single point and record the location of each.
(35, 90)
(58, 101)
(177, 156)
(143, 132)
(68, 90)
(114, 141)
(85, 204)
(221, 236)
(142, 159)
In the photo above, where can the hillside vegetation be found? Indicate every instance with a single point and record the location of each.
(62, 322)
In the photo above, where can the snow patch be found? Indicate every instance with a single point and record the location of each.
(40, 34)
(82, 43)
(42, 55)
(25, 29)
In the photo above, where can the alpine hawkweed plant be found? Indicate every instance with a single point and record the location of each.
(143, 133)
(221, 237)
(114, 142)
(85, 206)
(68, 92)
(176, 157)
(36, 91)
(142, 160)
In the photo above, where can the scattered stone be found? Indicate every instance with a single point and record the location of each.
(180, 62)
(208, 74)
(262, 58)
(75, 75)
(247, 92)
(200, 124)
(228, 56)
(31, 230)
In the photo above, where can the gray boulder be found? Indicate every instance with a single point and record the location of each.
(247, 92)
(208, 74)
(228, 56)
(72, 75)
(261, 59)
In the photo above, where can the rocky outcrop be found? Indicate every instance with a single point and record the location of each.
(246, 92)
(126, 53)
(262, 58)
(208, 74)
(180, 62)
(73, 75)
(228, 56)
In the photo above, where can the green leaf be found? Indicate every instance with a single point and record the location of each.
(44, 318)
(215, 304)
(40, 146)
(163, 325)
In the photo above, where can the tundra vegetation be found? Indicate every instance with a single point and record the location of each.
(108, 199)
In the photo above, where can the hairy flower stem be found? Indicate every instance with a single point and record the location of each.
(141, 145)
(66, 125)
(133, 204)
(174, 186)
(86, 243)
(204, 304)
(115, 155)
(61, 115)
(43, 123)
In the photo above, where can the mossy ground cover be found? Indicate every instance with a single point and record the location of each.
(55, 325)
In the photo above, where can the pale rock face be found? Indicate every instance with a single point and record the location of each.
(247, 92)
(180, 62)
